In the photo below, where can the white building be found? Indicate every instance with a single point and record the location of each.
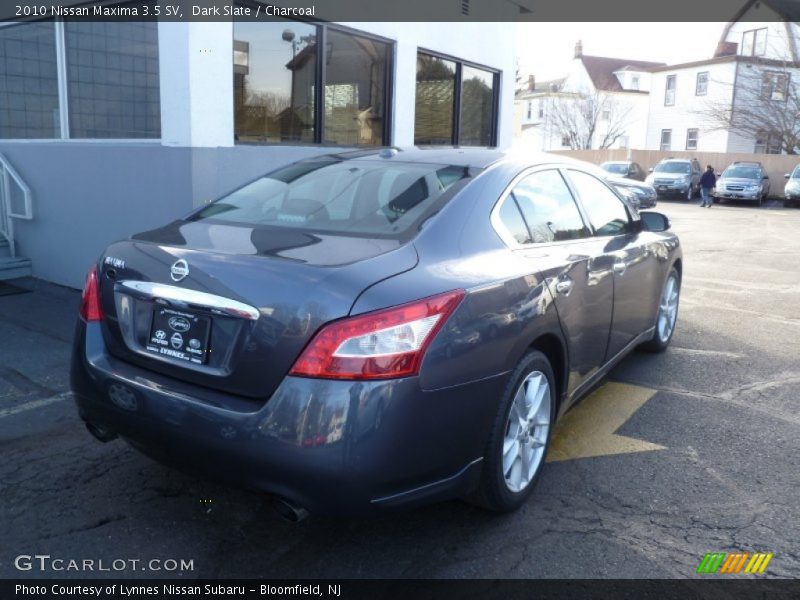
(618, 88)
(754, 61)
(121, 127)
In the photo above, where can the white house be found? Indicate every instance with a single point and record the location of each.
(619, 88)
(121, 127)
(754, 62)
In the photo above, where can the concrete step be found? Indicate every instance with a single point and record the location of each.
(11, 268)
(4, 251)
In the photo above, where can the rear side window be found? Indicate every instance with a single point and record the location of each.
(512, 220)
(605, 210)
(342, 196)
(548, 208)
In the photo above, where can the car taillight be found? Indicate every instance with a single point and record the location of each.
(90, 300)
(380, 345)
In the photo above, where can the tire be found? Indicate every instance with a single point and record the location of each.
(499, 489)
(667, 302)
(690, 193)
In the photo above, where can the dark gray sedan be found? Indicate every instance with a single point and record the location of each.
(375, 329)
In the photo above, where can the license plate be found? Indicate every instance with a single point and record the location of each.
(662, 188)
(180, 335)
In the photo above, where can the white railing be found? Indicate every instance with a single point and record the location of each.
(15, 201)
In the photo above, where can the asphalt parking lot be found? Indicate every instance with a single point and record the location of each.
(693, 451)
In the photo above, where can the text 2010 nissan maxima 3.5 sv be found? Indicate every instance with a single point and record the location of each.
(374, 329)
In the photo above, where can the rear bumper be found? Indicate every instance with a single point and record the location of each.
(332, 447)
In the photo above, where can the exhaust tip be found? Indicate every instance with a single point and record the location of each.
(289, 511)
(101, 432)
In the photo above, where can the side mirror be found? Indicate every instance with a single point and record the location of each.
(787, 176)
(765, 177)
(650, 170)
(654, 221)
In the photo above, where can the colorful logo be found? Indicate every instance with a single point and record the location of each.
(735, 562)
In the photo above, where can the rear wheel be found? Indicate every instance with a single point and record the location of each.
(520, 436)
(667, 314)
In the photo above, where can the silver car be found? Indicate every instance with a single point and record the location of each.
(676, 177)
(743, 181)
(791, 192)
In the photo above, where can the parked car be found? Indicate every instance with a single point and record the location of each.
(641, 195)
(375, 329)
(743, 181)
(676, 177)
(791, 192)
(625, 168)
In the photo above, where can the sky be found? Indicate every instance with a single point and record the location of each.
(546, 49)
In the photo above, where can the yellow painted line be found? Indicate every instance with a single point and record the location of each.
(764, 564)
(754, 566)
(588, 429)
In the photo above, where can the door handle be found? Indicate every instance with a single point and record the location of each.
(564, 286)
(620, 267)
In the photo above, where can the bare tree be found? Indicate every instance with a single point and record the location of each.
(763, 104)
(588, 119)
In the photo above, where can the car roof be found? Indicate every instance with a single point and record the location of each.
(617, 162)
(745, 163)
(663, 160)
(462, 157)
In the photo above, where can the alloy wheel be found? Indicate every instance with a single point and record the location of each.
(526, 432)
(668, 308)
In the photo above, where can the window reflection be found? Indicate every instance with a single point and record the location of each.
(433, 117)
(274, 68)
(477, 107)
(437, 102)
(355, 88)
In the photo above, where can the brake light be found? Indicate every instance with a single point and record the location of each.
(379, 345)
(90, 299)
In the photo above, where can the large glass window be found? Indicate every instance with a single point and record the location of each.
(28, 81)
(355, 89)
(477, 107)
(112, 79)
(549, 208)
(435, 99)
(606, 212)
(108, 80)
(274, 69)
(278, 93)
(455, 103)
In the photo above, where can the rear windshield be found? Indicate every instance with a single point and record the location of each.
(619, 168)
(383, 199)
(673, 167)
(742, 172)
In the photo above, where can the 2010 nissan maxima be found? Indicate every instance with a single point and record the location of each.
(374, 329)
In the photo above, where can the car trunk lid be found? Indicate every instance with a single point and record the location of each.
(230, 307)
